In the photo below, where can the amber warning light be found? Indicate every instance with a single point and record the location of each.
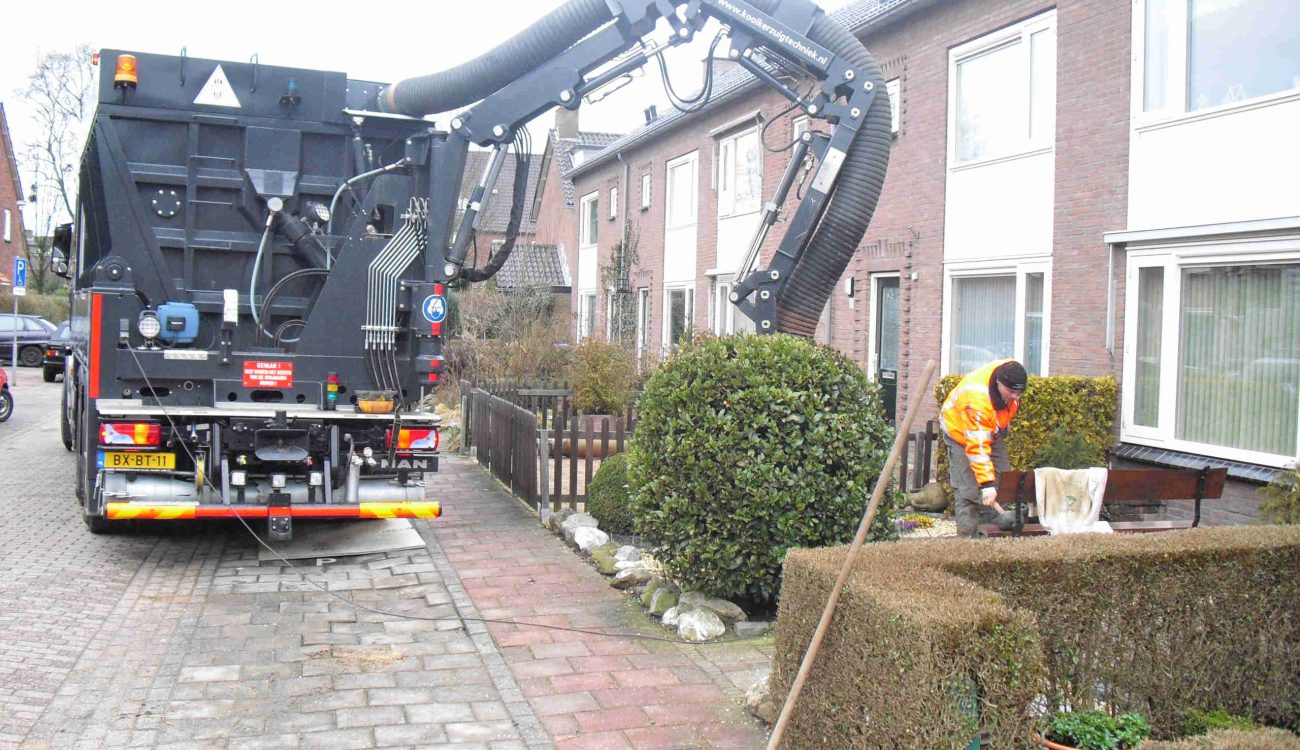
(127, 74)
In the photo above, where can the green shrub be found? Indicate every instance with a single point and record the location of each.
(1281, 503)
(1068, 450)
(602, 375)
(1094, 730)
(53, 307)
(748, 446)
(607, 496)
(1084, 408)
(1202, 722)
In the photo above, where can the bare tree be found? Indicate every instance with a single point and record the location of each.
(61, 94)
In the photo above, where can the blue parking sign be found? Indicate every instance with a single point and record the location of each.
(20, 273)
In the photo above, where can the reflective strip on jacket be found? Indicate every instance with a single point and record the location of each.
(969, 418)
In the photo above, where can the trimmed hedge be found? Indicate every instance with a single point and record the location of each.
(1051, 407)
(52, 307)
(1154, 623)
(748, 446)
(608, 500)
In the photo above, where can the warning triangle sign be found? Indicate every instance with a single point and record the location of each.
(217, 91)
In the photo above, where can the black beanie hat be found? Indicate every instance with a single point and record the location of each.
(1012, 374)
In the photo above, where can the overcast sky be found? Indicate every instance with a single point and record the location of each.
(369, 41)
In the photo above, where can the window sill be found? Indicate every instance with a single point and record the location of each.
(1156, 121)
(967, 165)
(1255, 473)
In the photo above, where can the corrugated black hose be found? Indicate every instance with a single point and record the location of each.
(851, 203)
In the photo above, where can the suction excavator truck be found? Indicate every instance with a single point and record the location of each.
(261, 256)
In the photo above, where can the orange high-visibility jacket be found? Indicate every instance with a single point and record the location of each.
(969, 419)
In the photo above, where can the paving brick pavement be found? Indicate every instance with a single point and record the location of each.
(589, 691)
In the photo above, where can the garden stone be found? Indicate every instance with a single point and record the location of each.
(628, 553)
(651, 586)
(555, 521)
(930, 498)
(580, 519)
(671, 616)
(721, 607)
(603, 556)
(588, 538)
(626, 564)
(747, 629)
(758, 699)
(626, 579)
(662, 600)
(700, 625)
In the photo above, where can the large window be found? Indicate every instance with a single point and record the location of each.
(681, 192)
(1214, 357)
(740, 174)
(1004, 100)
(1199, 54)
(587, 219)
(679, 305)
(997, 316)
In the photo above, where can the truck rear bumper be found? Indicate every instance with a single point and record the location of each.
(132, 511)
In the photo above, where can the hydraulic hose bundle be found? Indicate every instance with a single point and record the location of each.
(852, 200)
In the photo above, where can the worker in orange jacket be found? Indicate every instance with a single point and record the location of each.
(976, 418)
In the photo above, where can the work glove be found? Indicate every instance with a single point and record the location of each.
(989, 498)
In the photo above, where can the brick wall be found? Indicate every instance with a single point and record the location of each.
(10, 194)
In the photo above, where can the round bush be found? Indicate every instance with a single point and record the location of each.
(607, 495)
(748, 446)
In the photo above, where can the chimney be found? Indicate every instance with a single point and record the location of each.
(651, 114)
(566, 122)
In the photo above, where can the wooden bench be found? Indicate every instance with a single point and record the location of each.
(1124, 487)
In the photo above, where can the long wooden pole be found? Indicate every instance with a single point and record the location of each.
(900, 440)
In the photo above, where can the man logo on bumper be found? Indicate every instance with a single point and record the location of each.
(413, 464)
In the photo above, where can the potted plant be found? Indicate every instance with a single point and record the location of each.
(1094, 730)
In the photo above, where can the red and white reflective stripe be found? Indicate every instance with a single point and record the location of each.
(169, 512)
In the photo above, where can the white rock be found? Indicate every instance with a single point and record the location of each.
(628, 564)
(721, 607)
(626, 579)
(627, 553)
(700, 625)
(588, 538)
(580, 519)
(671, 616)
(747, 629)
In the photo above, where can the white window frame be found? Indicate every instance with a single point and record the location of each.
(1176, 104)
(1020, 269)
(688, 161)
(689, 289)
(588, 230)
(9, 230)
(894, 87)
(722, 314)
(1018, 34)
(613, 203)
(1175, 259)
(642, 321)
(645, 191)
(727, 174)
(586, 314)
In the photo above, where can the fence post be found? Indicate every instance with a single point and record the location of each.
(573, 462)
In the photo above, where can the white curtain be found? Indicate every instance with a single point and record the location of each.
(1151, 303)
(1239, 357)
(983, 321)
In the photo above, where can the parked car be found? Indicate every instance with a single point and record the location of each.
(56, 351)
(32, 331)
(6, 398)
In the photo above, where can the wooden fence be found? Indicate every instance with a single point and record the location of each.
(531, 440)
(529, 437)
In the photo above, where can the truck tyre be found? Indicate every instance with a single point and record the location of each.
(48, 374)
(31, 356)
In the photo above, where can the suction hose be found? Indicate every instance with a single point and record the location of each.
(849, 208)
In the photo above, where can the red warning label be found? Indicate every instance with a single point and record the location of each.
(268, 374)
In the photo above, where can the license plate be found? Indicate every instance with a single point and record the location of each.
(134, 461)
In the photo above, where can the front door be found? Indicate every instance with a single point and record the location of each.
(886, 339)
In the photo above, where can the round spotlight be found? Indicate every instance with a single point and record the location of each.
(149, 325)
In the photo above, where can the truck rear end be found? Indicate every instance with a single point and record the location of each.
(252, 332)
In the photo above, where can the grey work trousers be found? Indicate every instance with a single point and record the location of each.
(967, 509)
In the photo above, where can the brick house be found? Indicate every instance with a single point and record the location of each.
(1071, 183)
(12, 237)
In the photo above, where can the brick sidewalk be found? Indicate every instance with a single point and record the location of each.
(589, 691)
